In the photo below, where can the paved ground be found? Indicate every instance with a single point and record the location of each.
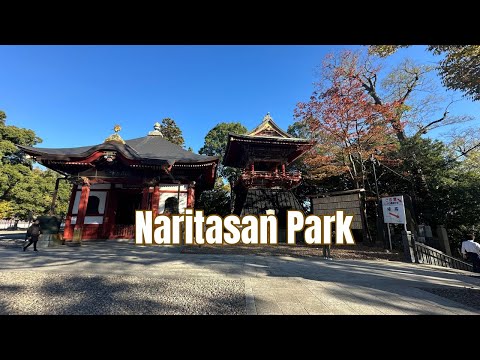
(121, 278)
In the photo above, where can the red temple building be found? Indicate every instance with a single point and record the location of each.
(113, 179)
(264, 184)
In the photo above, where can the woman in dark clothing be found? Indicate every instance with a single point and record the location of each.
(32, 235)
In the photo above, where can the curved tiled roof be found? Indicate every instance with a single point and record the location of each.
(148, 149)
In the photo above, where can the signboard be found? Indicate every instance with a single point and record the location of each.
(394, 210)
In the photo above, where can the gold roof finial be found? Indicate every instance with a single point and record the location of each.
(267, 117)
(115, 137)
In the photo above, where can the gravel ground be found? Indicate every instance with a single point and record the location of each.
(358, 251)
(29, 292)
(467, 296)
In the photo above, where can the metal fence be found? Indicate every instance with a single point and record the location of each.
(9, 224)
(429, 255)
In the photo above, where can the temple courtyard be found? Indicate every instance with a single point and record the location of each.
(117, 277)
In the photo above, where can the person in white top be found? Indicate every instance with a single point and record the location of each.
(471, 251)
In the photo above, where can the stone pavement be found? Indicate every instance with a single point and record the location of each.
(272, 285)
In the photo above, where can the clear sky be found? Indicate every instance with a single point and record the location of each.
(74, 95)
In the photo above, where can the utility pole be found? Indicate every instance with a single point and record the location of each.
(379, 220)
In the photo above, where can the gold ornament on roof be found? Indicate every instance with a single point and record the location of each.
(267, 117)
(115, 137)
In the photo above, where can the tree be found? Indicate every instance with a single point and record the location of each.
(216, 144)
(418, 101)
(14, 167)
(459, 69)
(23, 189)
(34, 194)
(346, 124)
(216, 201)
(171, 131)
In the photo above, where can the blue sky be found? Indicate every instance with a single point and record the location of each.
(74, 95)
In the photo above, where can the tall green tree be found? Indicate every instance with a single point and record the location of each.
(216, 144)
(172, 132)
(459, 68)
(25, 190)
(216, 201)
(14, 167)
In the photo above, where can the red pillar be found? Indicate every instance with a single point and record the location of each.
(68, 231)
(155, 200)
(82, 209)
(109, 217)
(145, 194)
(191, 196)
(252, 167)
(283, 169)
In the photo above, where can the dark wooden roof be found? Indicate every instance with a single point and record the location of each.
(153, 150)
(266, 141)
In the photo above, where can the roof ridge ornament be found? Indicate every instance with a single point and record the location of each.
(115, 137)
(156, 130)
(267, 117)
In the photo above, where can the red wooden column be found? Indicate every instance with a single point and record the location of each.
(283, 169)
(109, 217)
(82, 210)
(191, 196)
(68, 231)
(145, 194)
(155, 200)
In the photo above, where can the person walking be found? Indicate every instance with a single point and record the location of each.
(471, 251)
(32, 235)
(326, 252)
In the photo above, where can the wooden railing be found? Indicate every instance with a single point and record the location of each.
(271, 174)
(270, 178)
(429, 255)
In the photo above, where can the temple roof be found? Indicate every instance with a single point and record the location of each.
(268, 128)
(149, 149)
(267, 140)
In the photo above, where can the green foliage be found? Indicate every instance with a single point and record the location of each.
(216, 201)
(171, 131)
(34, 194)
(459, 68)
(25, 191)
(216, 139)
(216, 144)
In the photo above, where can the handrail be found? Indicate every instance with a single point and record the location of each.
(429, 255)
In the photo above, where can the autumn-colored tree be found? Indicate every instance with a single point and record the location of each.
(418, 102)
(347, 126)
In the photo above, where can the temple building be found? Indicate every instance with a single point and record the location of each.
(113, 179)
(264, 185)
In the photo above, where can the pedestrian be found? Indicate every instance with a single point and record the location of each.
(471, 251)
(326, 252)
(32, 235)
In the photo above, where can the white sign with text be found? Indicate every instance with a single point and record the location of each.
(393, 210)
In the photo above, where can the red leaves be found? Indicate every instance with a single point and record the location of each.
(346, 124)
